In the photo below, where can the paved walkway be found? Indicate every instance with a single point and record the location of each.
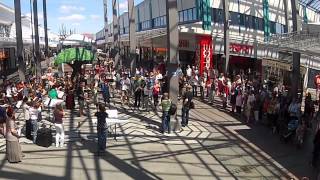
(214, 146)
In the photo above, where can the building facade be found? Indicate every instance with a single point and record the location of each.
(201, 32)
(8, 60)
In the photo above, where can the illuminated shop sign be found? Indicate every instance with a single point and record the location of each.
(241, 48)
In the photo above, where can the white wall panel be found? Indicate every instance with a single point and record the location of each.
(155, 8)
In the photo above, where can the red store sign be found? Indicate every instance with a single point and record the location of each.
(205, 54)
(241, 48)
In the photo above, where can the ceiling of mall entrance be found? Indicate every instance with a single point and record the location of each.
(312, 4)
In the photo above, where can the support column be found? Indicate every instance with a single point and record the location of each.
(286, 16)
(226, 38)
(296, 76)
(106, 32)
(172, 51)
(21, 66)
(36, 34)
(132, 36)
(45, 28)
(115, 43)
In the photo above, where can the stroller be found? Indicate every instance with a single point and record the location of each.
(291, 130)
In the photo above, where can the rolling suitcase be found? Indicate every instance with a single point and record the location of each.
(28, 130)
(44, 137)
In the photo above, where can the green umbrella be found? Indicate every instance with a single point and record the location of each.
(74, 54)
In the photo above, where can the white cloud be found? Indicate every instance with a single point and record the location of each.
(40, 15)
(69, 9)
(75, 24)
(123, 6)
(72, 17)
(95, 17)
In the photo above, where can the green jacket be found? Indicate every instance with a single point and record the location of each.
(53, 94)
(166, 104)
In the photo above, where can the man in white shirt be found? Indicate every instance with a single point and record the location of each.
(9, 94)
(189, 72)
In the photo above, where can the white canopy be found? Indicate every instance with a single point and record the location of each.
(78, 37)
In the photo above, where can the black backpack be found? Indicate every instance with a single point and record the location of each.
(173, 109)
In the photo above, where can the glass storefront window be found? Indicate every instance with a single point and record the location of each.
(194, 12)
(181, 16)
(190, 18)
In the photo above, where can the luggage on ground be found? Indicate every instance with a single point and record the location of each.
(44, 137)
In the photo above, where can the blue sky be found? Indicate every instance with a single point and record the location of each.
(82, 15)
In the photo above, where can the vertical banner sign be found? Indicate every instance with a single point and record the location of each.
(106, 32)
(266, 21)
(205, 54)
(206, 14)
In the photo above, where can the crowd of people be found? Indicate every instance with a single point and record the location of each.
(250, 100)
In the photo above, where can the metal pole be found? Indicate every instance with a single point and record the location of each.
(115, 44)
(37, 44)
(226, 38)
(132, 36)
(172, 50)
(21, 67)
(296, 76)
(45, 27)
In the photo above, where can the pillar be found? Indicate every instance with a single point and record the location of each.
(106, 32)
(115, 43)
(172, 53)
(36, 44)
(45, 28)
(286, 16)
(132, 36)
(226, 38)
(296, 76)
(21, 66)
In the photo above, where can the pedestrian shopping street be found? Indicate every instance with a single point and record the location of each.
(214, 146)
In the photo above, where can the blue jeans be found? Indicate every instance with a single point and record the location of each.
(166, 122)
(34, 129)
(102, 139)
(185, 116)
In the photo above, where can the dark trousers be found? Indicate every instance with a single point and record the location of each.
(238, 109)
(315, 156)
(194, 91)
(202, 92)
(185, 116)
(34, 124)
(155, 100)
(137, 98)
(102, 139)
(166, 122)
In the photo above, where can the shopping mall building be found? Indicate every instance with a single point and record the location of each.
(201, 24)
(8, 62)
